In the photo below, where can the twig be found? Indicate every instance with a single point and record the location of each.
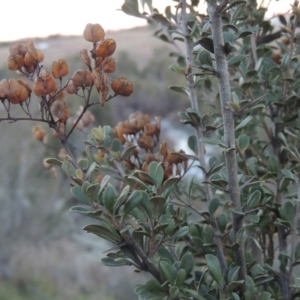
(293, 238)
(229, 137)
(198, 128)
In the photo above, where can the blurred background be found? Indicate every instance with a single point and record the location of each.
(44, 254)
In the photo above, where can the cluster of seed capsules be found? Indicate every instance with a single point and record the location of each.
(139, 131)
(26, 60)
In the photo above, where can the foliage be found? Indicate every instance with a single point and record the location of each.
(135, 187)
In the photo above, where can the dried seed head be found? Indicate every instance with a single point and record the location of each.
(106, 48)
(121, 86)
(60, 68)
(93, 33)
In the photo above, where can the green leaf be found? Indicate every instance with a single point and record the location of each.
(297, 251)
(187, 263)
(132, 180)
(287, 211)
(157, 204)
(233, 285)
(250, 294)
(92, 191)
(127, 152)
(192, 143)
(243, 142)
(98, 133)
(244, 123)
(156, 171)
(244, 34)
(288, 174)
(265, 296)
(233, 4)
(109, 197)
(180, 89)
(207, 44)
(214, 269)
(78, 194)
(180, 277)
(236, 60)
(83, 163)
(213, 205)
(110, 262)
(153, 285)
(183, 231)
(167, 271)
(132, 202)
(131, 7)
(204, 58)
(174, 292)
(254, 199)
(103, 232)
(212, 142)
(145, 204)
(80, 209)
(273, 164)
(53, 161)
(236, 107)
(161, 19)
(116, 145)
(68, 167)
(222, 222)
(169, 183)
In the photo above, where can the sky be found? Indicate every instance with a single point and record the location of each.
(36, 18)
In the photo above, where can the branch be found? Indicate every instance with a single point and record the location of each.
(229, 137)
(293, 241)
(198, 128)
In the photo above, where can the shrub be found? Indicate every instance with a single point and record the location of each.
(134, 186)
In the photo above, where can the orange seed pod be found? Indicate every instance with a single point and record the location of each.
(60, 68)
(85, 57)
(15, 62)
(122, 86)
(60, 110)
(106, 48)
(4, 89)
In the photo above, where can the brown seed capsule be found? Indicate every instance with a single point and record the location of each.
(44, 84)
(4, 89)
(176, 157)
(32, 50)
(40, 55)
(60, 68)
(88, 78)
(145, 142)
(106, 48)
(85, 57)
(15, 62)
(25, 84)
(150, 129)
(104, 92)
(163, 148)
(97, 78)
(18, 93)
(71, 87)
(60, 111)
(38, 132)
(18, 49)
(122, 86)
(93, 33)
(106, 65)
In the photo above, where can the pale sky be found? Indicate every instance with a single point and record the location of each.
(36, 18)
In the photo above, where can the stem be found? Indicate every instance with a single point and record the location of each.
(198, 128)
(293, 240)
(229, 137)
